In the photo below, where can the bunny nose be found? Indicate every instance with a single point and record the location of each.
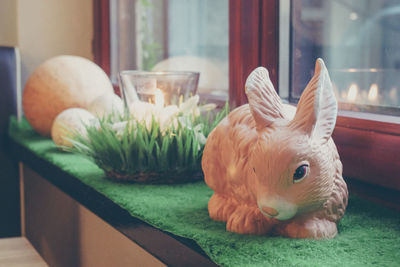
(270, 211)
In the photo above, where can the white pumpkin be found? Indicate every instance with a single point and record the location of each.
(106, 105)
(70, 122)
(60, 83)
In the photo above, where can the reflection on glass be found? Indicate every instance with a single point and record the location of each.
(373, 93)
(353, 93)
(173, 35)
(359, 41)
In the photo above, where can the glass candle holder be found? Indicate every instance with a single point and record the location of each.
(157, 88)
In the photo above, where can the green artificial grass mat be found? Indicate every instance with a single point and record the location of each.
(369, 234)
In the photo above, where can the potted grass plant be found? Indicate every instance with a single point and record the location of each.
(156, 148)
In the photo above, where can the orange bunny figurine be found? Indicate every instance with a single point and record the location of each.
(275, 169)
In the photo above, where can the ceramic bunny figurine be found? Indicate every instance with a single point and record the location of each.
(275, 169)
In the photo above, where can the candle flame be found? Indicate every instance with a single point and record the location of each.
(353, 92)
(159, 98)
(373, 92)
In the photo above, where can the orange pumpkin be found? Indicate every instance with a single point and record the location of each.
(60, 83)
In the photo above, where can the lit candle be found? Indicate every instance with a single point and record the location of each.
(373, 93)
(146, 111)
(352, 93)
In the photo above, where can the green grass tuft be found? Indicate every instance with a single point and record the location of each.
(140, 149)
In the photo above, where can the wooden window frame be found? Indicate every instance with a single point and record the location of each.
(369, 147)
(101, 34)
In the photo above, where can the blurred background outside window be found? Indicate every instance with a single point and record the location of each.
(158, 35)
(359, 41)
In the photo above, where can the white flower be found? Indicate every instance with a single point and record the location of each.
(199, 134)
(119, 128)
(141, 111)
(167, 116)
(189, 107)
(197, 130)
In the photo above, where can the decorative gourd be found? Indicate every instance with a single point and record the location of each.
(60, 83)
(106, 105)
(274, 170)
(68, 123)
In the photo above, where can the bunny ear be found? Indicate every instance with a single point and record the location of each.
(317, 108)
(265, 104)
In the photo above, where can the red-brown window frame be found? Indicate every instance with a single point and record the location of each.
(369, 149)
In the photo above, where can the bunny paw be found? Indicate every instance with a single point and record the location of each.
(312, 228)
(249, 220)
(220, 207)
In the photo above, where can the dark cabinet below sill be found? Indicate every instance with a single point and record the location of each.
(170, 249)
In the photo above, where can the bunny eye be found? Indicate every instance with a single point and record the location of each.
(300, 173)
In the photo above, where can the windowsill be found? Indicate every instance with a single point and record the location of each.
(38, 153)
(369, 121)
(370, 116)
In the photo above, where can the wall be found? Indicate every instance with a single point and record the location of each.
(8, 23)
(43, 29)
(46, 28)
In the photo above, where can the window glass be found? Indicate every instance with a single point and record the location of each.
(359, 41)
(190, 35)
